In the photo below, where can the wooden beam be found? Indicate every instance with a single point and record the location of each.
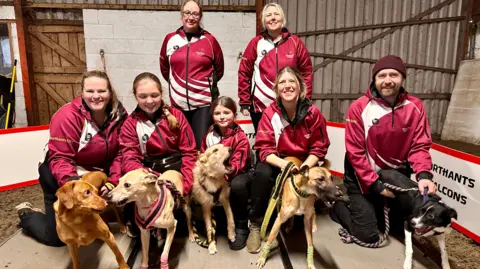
(259, 7)
(57, 78)
(26, 65)
(365, 60)
(231, 8)
(383, 34)
(59, 22)
(354, 96)
(55, 28)
(380, 26)
(61, 69)
(58, 49)
(52, 93)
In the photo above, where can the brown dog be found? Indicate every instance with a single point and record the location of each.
(210, 188)
(155, 199)
(77, 216)
(298, 198)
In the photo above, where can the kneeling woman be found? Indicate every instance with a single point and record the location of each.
(156, 135)
(291, 126)
(83, 137)
(226, 131)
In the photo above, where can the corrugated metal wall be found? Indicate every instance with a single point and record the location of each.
(434, 45)
(150, 2)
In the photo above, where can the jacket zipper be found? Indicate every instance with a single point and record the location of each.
(186, 75)
(276, 55)
(161, 137)
(321, 134)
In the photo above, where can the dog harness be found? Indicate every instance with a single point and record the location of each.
(216, 194)
(155, 210)
(297, 190)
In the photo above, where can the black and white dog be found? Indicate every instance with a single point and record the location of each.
(424, 215)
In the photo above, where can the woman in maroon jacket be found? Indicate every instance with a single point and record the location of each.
(291, 126)
(83, 137)
(267, 53)
(156, 135)
(226, 131)
(191, 60)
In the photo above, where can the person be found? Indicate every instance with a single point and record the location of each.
(226, 131)
(83, 137)
(290, 127)
(156, 136)
(385, 129)
(266, 53)
(191, 60)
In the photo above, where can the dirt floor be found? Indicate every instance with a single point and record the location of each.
(464, 252)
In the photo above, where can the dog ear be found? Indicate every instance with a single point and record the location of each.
(203, 158)
(452, 213)
(150, 178)
(304, 170)
(326, 164)
(65, 195)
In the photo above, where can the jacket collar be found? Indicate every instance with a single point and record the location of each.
(228, 133)
(285, 34)
(373, 94)
(83, 108)
(180, 31)
(302, 110)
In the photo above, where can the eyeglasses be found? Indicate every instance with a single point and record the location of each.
(187, 14)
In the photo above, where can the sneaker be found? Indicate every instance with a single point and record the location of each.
(27, 207)
(241, 234)
(254, 242)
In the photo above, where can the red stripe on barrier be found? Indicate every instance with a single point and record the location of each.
(18, 185)
(466, 232)
(335, 124)
(243, 121)
(24, 129)
(457, 154)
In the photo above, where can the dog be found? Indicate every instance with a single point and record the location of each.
(424, 216)
(156, 198)
(77, 216)
(210, 188)
(298, 198)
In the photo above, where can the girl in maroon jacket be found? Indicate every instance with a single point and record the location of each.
(155, 134)
(226, 131)
(191, 60)
(267, 53)
(83, 137)
(291, 126)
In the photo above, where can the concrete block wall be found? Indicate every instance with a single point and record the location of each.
(8, 13)
(132, 42)
(463, 122)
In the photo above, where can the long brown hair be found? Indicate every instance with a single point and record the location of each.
(114, 103)
(293, 71)
(172, 121)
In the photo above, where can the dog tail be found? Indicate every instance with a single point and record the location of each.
(327, 163)
(203, 242)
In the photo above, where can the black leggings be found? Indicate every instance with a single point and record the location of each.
(200, 120)
(37, 225)
(256, 116)
(261, 189)
(239, 193)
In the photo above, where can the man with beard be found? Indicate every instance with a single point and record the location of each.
(385, 129)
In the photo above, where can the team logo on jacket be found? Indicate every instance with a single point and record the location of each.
(375, 121)
(201, 52)
(88, 137)
(144, 138)
(307, 136)
(264, 52)
(175, 47)
(290, 55)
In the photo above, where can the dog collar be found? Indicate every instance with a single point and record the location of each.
(297, 190)
(216, 195)
(155, 211)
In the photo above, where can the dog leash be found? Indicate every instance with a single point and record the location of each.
(347, 238)
(277, 191)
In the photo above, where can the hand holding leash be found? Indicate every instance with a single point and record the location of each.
(427, 184)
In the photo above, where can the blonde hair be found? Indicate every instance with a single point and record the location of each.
(114, 102)
(280, 10)
(298, 77)
(196, 2)
(172, 121)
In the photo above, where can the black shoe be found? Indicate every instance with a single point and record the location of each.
(241, 235)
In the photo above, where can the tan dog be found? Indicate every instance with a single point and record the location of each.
(210, 188)
(298, 198)
(77, 216)
(149, 192)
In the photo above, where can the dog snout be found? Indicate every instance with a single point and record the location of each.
(230, 150)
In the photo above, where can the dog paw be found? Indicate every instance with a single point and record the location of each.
(123, 229)
(261, 262)
(212, 248)
(407, 265)
(232, 237)
(314, 228)
(191, 238)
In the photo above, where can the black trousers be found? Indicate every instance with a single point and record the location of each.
(261, 189)
(239, 194)
(256, 116)
(42, 227)
(364, 216)
(200, 120)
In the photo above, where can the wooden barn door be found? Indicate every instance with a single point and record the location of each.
(58, 59)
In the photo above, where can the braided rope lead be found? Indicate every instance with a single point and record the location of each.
(347, 238)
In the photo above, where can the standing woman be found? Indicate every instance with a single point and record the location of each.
(83, 137)
(191, 60)
(267, 53)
